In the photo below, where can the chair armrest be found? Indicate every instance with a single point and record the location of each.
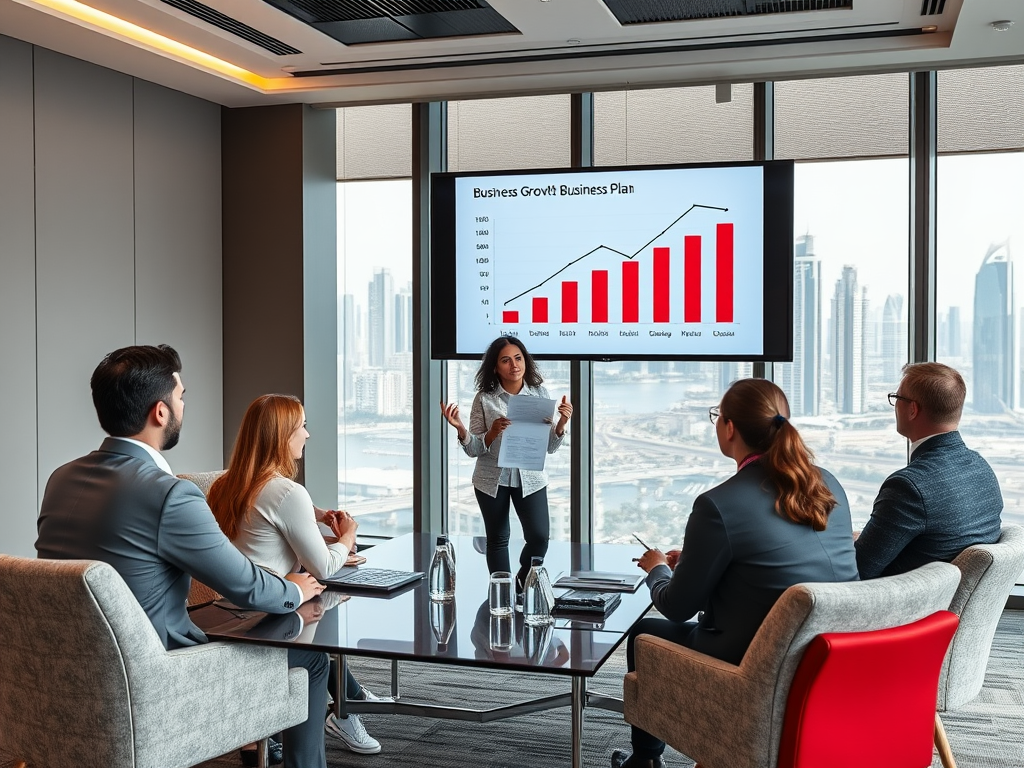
(241, 693)
(674, 686)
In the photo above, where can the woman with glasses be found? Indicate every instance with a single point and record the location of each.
(778, 521)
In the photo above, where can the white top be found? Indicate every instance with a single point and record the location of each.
(280, 533)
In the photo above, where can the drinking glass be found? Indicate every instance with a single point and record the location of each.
(501, 633)
(500, 594)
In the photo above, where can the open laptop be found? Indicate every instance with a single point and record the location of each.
(372, 579)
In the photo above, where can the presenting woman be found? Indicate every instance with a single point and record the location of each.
(777, 522)
(507, 369)
(273, 521)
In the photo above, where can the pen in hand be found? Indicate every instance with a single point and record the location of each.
(642, 542)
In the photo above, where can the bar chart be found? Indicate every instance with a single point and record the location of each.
(675, 260)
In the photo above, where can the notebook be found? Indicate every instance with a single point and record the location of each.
(603, 581)
(372, 579)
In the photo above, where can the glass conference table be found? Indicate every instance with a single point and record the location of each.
(406, 626)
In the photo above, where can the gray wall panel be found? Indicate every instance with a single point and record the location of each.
(84, 243)
(17, 302)
(178, 256)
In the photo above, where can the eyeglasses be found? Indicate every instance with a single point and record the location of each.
(893, 397)
(713, 413)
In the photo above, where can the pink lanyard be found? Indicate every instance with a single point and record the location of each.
(749, 460)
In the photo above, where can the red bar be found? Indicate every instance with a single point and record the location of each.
(599, 296)
(570, 302)
(510, 317)
(661, 286)
(723, 279)
(540, 310)
(691, 285)
(630, 292)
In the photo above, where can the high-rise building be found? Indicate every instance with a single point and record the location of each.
(948, 341)
(347, 347)
(381, 318)
(849, 305)
(994, 347)
(801, 380)
(894, 339)
(403, 320)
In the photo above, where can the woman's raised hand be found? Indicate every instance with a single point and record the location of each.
(450, 411)
(564, 414)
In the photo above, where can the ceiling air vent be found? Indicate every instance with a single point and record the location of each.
(235, 27)
(376, 21)
(932, 7)
(651, 11)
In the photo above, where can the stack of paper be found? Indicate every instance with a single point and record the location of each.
(602, 581)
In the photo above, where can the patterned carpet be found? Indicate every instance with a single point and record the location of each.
(988, 733)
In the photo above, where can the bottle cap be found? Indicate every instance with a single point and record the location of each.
(536, 561)
(442, 540)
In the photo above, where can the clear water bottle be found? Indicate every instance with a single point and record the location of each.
(442, 622)
(442, 572)
(538, 597)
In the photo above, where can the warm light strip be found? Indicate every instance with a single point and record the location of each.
(133, 33)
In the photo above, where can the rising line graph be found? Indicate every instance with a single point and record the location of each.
(608, 248)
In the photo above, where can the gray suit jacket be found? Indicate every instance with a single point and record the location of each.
(117, 506)
(739, 556)
(946, 499)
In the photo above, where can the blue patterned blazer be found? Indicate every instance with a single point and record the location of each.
(946, 499)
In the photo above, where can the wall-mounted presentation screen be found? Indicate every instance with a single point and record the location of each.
(681, 262)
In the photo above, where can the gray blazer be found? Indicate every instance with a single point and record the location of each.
(739, 556)
(946, 499)
(117, 506)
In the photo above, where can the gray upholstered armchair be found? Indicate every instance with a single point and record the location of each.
(724, 715)
(989, 572)
(84, 678)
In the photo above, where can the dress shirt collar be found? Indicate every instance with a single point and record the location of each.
(918, 443)
(158, 457)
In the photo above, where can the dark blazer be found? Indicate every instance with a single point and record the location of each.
(946, 499)
(118, 506)
(739, 555)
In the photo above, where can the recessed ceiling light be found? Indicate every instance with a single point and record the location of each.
(930, 28)
(573, 41)
(1001, 25)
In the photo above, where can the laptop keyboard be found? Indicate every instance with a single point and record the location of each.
(375, 577)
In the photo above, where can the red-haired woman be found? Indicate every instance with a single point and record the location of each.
(273, 520)
(779, 521)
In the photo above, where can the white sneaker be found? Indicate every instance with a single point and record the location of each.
(352, 734)
(368, 695)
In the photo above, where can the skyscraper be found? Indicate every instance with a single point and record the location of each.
(403, 320)
(381, 318)
(347, 347)
(994, 348)
(801, 379)
(848, 309)
(894, 339)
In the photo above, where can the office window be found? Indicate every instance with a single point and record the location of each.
(980, 328)
(851, 273)
(673, 125)
(654, 447)
(375, 475)
(504, 134)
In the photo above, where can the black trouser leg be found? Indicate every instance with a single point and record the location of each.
(495, 514)
(536, 521)
(644, 744)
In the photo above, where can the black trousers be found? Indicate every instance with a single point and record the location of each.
(644, 744)
(533, 514)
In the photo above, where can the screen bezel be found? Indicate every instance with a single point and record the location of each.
(778, 180)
